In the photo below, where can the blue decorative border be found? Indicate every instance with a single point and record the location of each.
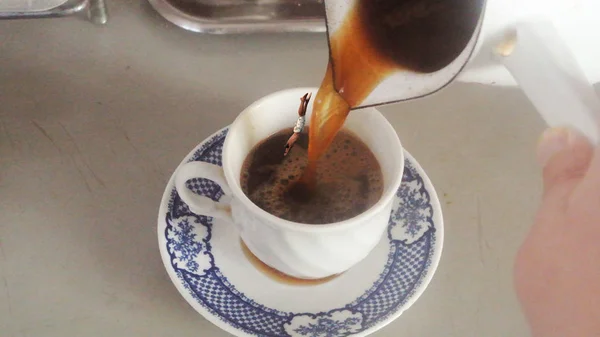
(412, 238)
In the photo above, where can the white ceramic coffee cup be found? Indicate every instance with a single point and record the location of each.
(296, 249)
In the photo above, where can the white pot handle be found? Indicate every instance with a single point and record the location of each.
(198, 204)
(549, 74)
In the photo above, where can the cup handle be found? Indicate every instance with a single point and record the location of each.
(198, 204)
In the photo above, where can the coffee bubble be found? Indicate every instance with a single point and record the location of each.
(341, 177)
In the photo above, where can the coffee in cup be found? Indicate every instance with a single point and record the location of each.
(348, 181)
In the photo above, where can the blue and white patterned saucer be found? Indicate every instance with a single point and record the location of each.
(206, 263)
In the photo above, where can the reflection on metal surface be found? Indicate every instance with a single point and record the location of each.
(96, 10)
(244, 16)
(28, 5)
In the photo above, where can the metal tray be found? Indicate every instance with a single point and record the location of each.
(244, 16)
(29, 6)
(27, 9)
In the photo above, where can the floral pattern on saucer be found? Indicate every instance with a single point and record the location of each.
(414, 249)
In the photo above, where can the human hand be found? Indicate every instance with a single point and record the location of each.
(557, 269)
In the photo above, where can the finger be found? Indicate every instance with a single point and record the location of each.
(565, 155)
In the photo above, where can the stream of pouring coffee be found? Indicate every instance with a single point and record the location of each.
(378, 38)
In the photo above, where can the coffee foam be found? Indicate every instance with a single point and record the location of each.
(349, 180)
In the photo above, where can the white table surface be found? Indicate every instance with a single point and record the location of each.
(94, 119)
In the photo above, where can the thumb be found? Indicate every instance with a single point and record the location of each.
(565, 155)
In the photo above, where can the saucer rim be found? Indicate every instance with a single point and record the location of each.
(417, 293)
